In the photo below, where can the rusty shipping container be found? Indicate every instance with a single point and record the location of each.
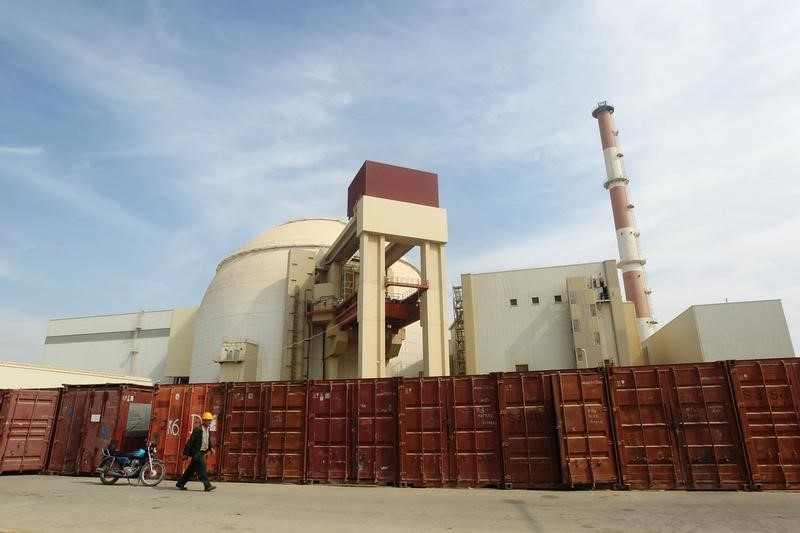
(93, 417)
(449, 432)
(352, 431)
(264, 438)
(585, 429)
(528, 431)
(767, 394)
(676, 427)
(27, 418)
(176, 412)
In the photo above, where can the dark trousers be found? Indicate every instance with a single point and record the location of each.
(197, 464)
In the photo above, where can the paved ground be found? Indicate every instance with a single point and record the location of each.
(49, 503)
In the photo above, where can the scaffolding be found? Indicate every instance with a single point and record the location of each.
(460, 362)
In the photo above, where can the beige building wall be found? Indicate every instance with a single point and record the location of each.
(179, 347)
(525, 317)
(718, 332)
(26, 376)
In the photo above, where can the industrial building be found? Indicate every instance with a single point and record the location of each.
(722, 331)
(15, 375)
(137, 344)
(568, 316)
(309, 299)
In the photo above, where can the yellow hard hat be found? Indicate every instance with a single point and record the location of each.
(207, 416)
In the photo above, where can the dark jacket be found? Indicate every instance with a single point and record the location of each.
(192, 447)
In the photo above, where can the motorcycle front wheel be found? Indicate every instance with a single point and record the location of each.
(151, 476)
(106, 478)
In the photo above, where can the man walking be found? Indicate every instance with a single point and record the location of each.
(199, 444)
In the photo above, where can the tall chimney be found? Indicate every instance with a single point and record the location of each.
(631, 261)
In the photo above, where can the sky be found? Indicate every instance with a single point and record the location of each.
(143, 142)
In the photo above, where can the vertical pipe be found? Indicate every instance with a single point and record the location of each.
(631, 261)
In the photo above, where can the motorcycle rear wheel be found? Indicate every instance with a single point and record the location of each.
(105, 471)
(152, 477)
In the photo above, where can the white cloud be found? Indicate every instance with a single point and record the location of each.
(21, 150)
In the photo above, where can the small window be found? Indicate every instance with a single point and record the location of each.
(535, 300)
(557, 298)
(521, 368)
(576, 325)
(513, 302)
(572, 299)
(597, 338)
(580, 354)
(593, 309)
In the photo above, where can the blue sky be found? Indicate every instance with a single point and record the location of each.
(140, 143)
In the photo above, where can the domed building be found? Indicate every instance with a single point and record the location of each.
(256, 320)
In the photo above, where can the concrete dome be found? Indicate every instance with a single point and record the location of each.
(246, 300)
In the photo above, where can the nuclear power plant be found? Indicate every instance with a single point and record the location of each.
(322, 298)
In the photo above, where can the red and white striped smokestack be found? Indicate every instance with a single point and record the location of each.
(631, 261)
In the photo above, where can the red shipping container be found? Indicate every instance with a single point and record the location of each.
(528, 431)
(264, 439)
(584, 427)
(676, 427)
(767, 393)
(352, 431)
(176, 412)
(93, 417)
(27, 418)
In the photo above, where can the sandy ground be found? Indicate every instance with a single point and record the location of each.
(51, 503)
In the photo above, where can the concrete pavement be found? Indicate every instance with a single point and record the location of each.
(52, 503)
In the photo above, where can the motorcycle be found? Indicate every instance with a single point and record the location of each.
(140, 463)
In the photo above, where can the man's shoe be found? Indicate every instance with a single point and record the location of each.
(210, 488)
(180, 487)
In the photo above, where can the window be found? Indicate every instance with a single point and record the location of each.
(576, 325)
(521, 368)
(535, 300)
(513, 302)
(593, 309)
(580, 354)
(572, 298)
(597, 338)
(557, 298)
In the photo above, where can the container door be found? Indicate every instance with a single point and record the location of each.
(68, 432)
(26, 426)
(244, 430)
(767, 394)
(329, 431)
(706, 428)
(424, 447)
(474, 433)
(641, 399)
(528, 431)
(284, 448)
(584, 427)
(374, 440)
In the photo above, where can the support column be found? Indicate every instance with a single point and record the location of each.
(372, 306)
(433, 319)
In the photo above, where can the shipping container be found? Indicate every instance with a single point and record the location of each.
(585, 429)
(27, 418)
(176, 412)
(528, 431)
(352, 431)
(264, 438)
(449, 432)
(767, 394)
(93, 417)
(676, 427)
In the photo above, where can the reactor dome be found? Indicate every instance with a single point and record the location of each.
(246, 301)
